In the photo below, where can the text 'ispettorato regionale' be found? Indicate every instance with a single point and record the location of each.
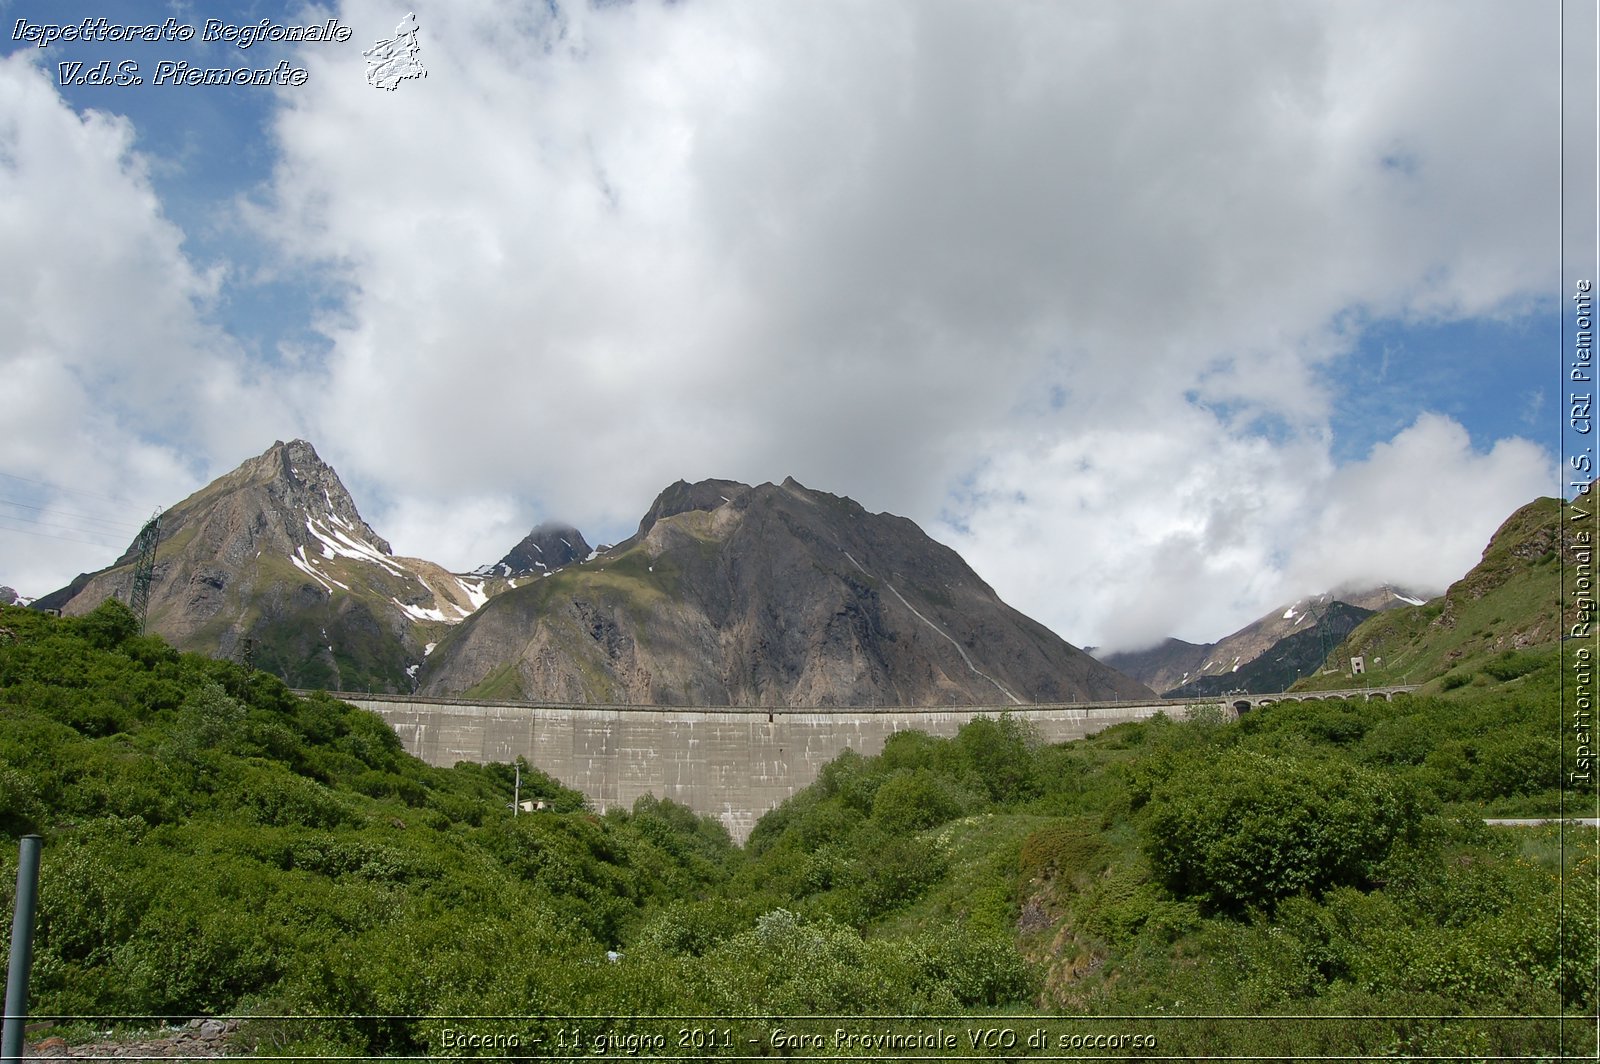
(178, 72)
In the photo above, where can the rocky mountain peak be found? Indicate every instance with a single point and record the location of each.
(297, 480)
(682, 497)
(547, 548)
(272, 562)
(1267, 654)
(773, 595)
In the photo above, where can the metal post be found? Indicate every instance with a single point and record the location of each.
(21, 948)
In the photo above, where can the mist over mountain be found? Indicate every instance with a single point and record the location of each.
(1268, 654)
(1480, 629)
(551, 545)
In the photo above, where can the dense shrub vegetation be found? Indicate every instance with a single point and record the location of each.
(1249, 829)
(218, 845)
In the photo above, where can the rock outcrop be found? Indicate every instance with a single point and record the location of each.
(775, 595)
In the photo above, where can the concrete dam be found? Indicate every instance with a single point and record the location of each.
(731, 763)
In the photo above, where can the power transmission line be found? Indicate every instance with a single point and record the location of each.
(64, 539)
(118, 526)
(63, 489)
(64, 526)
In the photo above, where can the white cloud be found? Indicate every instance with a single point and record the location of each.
(1123, 537)
(1419, 510)
(118, 392)
(1105, 256)
(484, 528)
(846, 243)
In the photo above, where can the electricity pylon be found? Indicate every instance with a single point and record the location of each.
(145, 567)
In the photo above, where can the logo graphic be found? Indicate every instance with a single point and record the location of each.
(392, 61)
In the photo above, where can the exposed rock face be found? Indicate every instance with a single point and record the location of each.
(1163, 666)
(266, 507)
(272, 562)
(768, 596)
(1301, 653)
(1256, 658)
(549, 547)
(726, 595)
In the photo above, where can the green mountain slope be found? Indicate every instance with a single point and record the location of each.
(1507, 604)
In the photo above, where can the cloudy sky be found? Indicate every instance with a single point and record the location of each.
(1159, 313)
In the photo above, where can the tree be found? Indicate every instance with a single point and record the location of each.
(1249, 829)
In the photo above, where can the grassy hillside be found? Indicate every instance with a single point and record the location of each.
(1509, 603)
(215, 844)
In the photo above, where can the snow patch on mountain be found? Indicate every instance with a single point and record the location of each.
(475, 594)
(419, 613)
(303, 563)
(342, 544)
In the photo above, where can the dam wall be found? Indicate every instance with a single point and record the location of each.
(733, 764)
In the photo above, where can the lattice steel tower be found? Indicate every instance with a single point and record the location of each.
(145, 567)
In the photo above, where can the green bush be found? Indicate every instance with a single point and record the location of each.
(108, 626)
(1512, 764)
(688, 928)
(897, 871)
(1512, 664)
(913, 749)
(999, 753)
(851, 779)
(20, 807)
(1073, 848)
(1399, 741)
(1252, 828)
(277, 798)
(911, 800)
